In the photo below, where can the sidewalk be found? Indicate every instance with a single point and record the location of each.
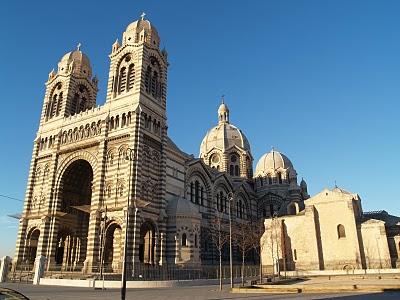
(328, 285)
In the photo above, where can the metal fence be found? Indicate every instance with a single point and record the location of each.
(149, 272)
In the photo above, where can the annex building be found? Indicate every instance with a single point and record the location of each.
(92, 165)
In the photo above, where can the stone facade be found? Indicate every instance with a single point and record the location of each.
(331, 233)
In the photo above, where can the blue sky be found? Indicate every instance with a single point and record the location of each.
(318, 80)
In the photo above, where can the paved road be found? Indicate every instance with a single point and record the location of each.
(191, 293)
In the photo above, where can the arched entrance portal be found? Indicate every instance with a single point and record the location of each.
(32, 243)
(113, 248)
(75, 193)
(147, 243)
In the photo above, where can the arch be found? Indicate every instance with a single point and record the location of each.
(341, 231)
(184, 240)
(84, 155)
(292, 208)
(81, 99)
(147, 242)
(113, 246)
(74, 193)
(269, 205)
(32, 243)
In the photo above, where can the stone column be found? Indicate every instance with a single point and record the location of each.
(162, 249)
(20, 245)
(177, 250)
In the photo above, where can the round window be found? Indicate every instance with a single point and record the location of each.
(233, 158)
(215, 158)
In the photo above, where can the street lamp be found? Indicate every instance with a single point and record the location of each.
(230, 199)
(130, 156)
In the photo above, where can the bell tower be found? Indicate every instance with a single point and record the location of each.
(71, 89)
(138, 68)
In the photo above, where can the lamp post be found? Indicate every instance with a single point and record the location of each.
(130, 156)
(230, 199)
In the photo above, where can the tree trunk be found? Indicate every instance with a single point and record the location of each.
(243, 254)
(220, 270)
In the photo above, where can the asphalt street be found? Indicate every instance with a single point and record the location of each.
(192, 293)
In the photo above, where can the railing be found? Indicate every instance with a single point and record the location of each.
(148, 272)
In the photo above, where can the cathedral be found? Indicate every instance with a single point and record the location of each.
(99, 174)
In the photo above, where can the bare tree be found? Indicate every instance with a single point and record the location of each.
(242, 239)
(219, 234)
(258, 242)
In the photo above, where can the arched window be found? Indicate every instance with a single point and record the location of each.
(234, 165)
(192, 192)
(196, 192)
(152, 79)
(269, 178)
(122, 80)
(184, 239)
(195, 240)
(221, 200)
(80, 100)
(123, 121)
(202, 196)
(341, 231)
(147, 79)
(131, 76)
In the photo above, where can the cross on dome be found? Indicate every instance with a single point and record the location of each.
(142, 16)
(78, 47)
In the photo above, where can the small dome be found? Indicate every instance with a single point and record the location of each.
(272, 161)
(223, 108)
(141, 31)
(181, 207)
(76, 62)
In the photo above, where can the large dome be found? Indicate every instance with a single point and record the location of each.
(223, 136)
(272, 161)
(141, 31)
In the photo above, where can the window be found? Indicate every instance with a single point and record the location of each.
(152, 80)
(191, 192)
(195, 240)
(341, 231)
(80, 100)
(295, 254)
(234, 166)
(184, 240)
(196, 192)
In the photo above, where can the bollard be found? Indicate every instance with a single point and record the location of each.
(4, 268)
(40, 263)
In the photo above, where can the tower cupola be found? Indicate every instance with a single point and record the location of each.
(223, 113)
(75, 62)
(141, 31)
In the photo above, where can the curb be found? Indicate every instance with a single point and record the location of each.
(296, 289)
